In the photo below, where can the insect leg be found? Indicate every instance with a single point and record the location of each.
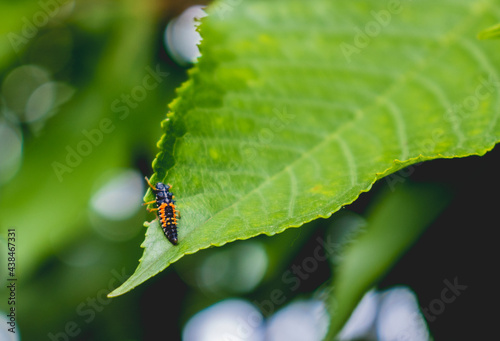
(149, 183)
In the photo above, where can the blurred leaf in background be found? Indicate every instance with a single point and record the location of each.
(490, 33)
(83, 87)
(397, 221)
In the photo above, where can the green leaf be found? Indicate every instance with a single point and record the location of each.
(490, 33)
(295, 108)
(393, 225)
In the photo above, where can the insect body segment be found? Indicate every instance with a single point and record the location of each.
(168, 220)
(166, 210)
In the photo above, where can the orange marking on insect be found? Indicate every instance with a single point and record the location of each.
(166, 210)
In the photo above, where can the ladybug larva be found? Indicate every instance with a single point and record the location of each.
(166, 210)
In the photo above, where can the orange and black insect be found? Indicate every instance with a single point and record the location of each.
(167, 212)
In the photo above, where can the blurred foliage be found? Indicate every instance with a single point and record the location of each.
(490, 33)
(102, 50)
(393, 225)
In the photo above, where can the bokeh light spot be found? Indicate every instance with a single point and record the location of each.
(298, 321)
(400, 317)
(232, 319)
(120, 197)
(181, 37)
(362, 319)
(19, 85)
(238, 268)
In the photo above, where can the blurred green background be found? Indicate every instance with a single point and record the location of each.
(84, 87)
